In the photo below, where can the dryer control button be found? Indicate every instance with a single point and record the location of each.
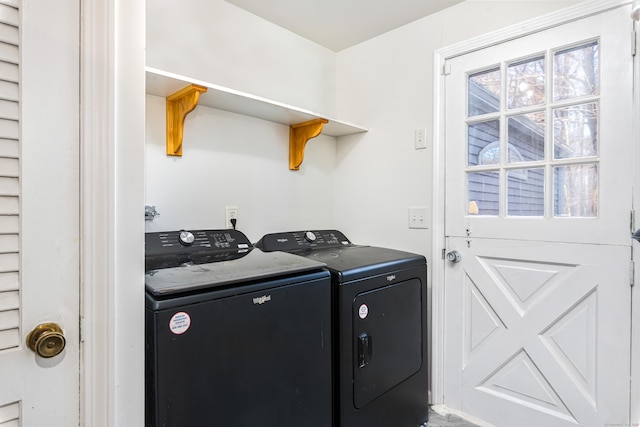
(310, 236)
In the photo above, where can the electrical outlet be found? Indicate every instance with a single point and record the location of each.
(418, 218)
(231, 212)
(421, 138)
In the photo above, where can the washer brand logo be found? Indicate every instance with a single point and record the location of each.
(391, 278)
(262, 299)
(282, 240)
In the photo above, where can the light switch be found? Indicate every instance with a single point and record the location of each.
(418, 218)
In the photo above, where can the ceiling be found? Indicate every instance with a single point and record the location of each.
(339, 24)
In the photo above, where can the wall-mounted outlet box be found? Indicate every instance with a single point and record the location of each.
(231, 212)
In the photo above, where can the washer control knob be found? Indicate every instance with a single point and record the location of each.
(310, 236)
(186, 238)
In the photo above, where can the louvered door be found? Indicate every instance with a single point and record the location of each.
(39, 208)
(9, 179)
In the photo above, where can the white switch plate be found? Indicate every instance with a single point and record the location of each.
(418, 218)
(421, 138)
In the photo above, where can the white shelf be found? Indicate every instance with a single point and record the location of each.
(162, 83)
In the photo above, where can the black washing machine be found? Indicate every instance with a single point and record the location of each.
(380, 327)
(235, 336)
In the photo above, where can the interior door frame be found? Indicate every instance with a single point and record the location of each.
(441, 56)
(112, 117)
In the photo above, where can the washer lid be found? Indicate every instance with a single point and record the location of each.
(255, 265)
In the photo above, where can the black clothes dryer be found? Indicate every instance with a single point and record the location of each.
(380, 327)
(235, 336)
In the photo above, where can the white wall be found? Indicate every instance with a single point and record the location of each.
(229, 159)
(386, 84)
(234, 160)
(360, 184)
(217, 42)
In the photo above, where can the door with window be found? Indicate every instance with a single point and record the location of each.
(538, 204)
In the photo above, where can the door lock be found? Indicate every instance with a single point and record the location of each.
(454, 257)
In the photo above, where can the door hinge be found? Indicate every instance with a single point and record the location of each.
(446, 69)
(444, 253)
(632, 273)
(634, 42)
(632, 221)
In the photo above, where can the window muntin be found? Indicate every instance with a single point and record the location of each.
(546, 171)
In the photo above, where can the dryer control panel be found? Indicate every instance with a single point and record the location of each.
(296, 241)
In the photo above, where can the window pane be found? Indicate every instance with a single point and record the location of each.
(576, 190)
(480, 136)
(484, 92)
(526, 137)
(483, 193)
(576, 72)
(525, 192)
(575, 131)
(525, 83)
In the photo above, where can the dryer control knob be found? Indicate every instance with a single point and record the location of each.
(186, 238)
(310, 236)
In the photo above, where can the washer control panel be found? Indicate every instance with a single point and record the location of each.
(295, 241)
(184, 241)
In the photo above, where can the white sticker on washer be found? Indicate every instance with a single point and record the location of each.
(179, 323)
(363, 311)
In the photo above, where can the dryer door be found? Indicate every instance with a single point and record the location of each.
(387, 339)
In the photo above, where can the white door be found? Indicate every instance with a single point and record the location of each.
(39, 210)
(538, 201)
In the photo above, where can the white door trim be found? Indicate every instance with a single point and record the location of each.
(438, 220)
(635, 304)
(112, 212)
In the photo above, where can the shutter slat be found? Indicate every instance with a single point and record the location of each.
(9, 90)
(9, 129)
(9, 14)
(9, 109)
(9, 300)
(9, 53)
(9, 319)
(9, 262)
(9, 72)
(9, 34)
(9, 205)
(9, 148)
(9, 339)
(9, 243)
(9, 186)
(9, 168)
(9, 224)
(9, 281)
(9, 413)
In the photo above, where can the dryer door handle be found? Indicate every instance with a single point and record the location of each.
(365, 349)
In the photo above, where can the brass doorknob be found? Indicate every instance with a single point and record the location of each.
(47, 340)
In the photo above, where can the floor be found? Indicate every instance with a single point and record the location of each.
(448, 420)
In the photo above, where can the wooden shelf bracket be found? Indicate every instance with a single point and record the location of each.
(179, 105)
(299, 134)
